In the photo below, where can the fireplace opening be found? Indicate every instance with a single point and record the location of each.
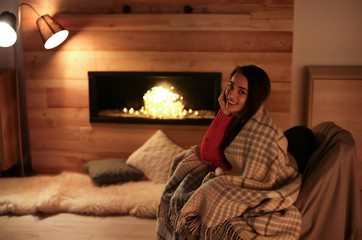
(154, 97)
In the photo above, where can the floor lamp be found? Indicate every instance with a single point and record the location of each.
(52, 33)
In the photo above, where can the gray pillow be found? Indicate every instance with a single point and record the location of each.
(112, 170)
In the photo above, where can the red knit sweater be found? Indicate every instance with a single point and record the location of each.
(210, 148)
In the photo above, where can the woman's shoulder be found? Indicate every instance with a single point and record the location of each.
(262, 119)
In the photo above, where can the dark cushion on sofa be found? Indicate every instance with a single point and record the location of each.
(301, 145)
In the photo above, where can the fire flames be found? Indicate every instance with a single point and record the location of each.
(160, 103)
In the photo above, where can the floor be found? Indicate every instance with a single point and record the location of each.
(70, 226)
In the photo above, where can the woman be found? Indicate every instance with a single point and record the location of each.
(237, 106)
(252, 191)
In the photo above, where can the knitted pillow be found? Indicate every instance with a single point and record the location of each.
(155, 156)
(108, 171)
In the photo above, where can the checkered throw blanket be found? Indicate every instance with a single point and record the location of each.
(253, 201)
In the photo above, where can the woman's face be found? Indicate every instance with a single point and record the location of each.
(236, 93)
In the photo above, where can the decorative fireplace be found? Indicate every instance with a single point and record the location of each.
(188, 98)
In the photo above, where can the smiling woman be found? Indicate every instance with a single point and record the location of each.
(241, 165)
(248, 88)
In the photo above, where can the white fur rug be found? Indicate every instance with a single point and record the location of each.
(76, 193)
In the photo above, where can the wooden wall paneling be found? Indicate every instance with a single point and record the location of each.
(107, 137)
(165, 6)
(159, 22)
(53, 162)
(62, 138)
(104, 141)
(171, 32)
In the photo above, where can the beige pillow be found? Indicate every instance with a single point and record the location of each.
(155, 156)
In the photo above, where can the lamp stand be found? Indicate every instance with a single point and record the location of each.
(19, 113)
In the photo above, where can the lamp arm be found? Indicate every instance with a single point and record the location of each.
(19, 13)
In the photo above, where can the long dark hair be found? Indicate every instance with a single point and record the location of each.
(258, 92)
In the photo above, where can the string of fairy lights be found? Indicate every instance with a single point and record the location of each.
(161, 103)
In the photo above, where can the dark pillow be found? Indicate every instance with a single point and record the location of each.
(112, 170)
(301, 144)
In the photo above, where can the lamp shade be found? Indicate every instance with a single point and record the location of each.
(52, 33)
(7, 29)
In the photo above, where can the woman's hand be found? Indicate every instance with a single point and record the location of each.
(196, 149)
(222, 102)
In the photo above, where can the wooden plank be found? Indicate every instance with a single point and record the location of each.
(210, 6)
(53, 163)
(67, 97)
(129, 137)
(155, 6)
(189, 41)
(43, 93)
(67, 64)
(53, 7)
(171, 22)
(58, 65)
(220, 2)
(273, 13)
(60, 138)
(110, 137)
(36, 97)
(75, 226)
(58, 117)
(277, 65)
(66, 82)
(335, 72)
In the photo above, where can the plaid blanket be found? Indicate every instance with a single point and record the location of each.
(252, 201)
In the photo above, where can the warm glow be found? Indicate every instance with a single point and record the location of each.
(56, 39)
(163, 103)
(7, 35)
(160, 103)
